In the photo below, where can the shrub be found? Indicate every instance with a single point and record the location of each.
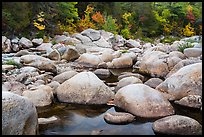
(110, 25)
(184, 46)
(12, 62)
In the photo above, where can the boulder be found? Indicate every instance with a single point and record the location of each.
(193, 101)
(62, 77)
(177, 125)
(14, 87)
(186, 81)
(91, 91)
(19, 115)
(70, 54)
(129, 74)
(118, 117)
(6, 44)
(54, 55)
(132, 43)
(37, 42)
(143, 101)
(22, 52)
(121, 62)
(154, 63)
(153, 82)
(83, 39)
(89, 60)
(94, 35)
(192, 52)
(102, 73)
(181, 64)
(40, 96)
(127, 81)
(45, 47)
(39, 62)
(177, 54)
(25, 43)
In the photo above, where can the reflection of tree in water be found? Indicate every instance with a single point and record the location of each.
(87, 110)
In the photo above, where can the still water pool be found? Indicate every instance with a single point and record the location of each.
(88, 120)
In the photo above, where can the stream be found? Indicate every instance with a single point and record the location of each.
(76, 119)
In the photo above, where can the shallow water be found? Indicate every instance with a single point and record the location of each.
(75, 119)
(88, 119)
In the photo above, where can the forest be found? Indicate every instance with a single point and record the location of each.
(129, 19)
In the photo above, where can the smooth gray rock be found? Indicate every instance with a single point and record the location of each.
(19, 115)
(143, 101)
(84, 88)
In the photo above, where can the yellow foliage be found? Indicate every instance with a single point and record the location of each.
(39, 26)
(125, 16)
(188, 30)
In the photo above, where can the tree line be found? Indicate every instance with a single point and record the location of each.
(129, 19)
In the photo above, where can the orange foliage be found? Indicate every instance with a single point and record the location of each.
(97, 17)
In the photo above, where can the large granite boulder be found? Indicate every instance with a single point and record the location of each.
(40, 96)
(19, 115)
(177, 125)
(84, 88)
(186, 81)
(154, 63)
(143, 101)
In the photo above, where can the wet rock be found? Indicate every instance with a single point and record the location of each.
(192, 52)
(153, 82)
(102, 73)
(19, 115)
(118, 117)
(193, 101)
(41, 96)
(91, 91)
(143, 101)
(186, 81)
(25, 43)
(64, 76)
(177, 125)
